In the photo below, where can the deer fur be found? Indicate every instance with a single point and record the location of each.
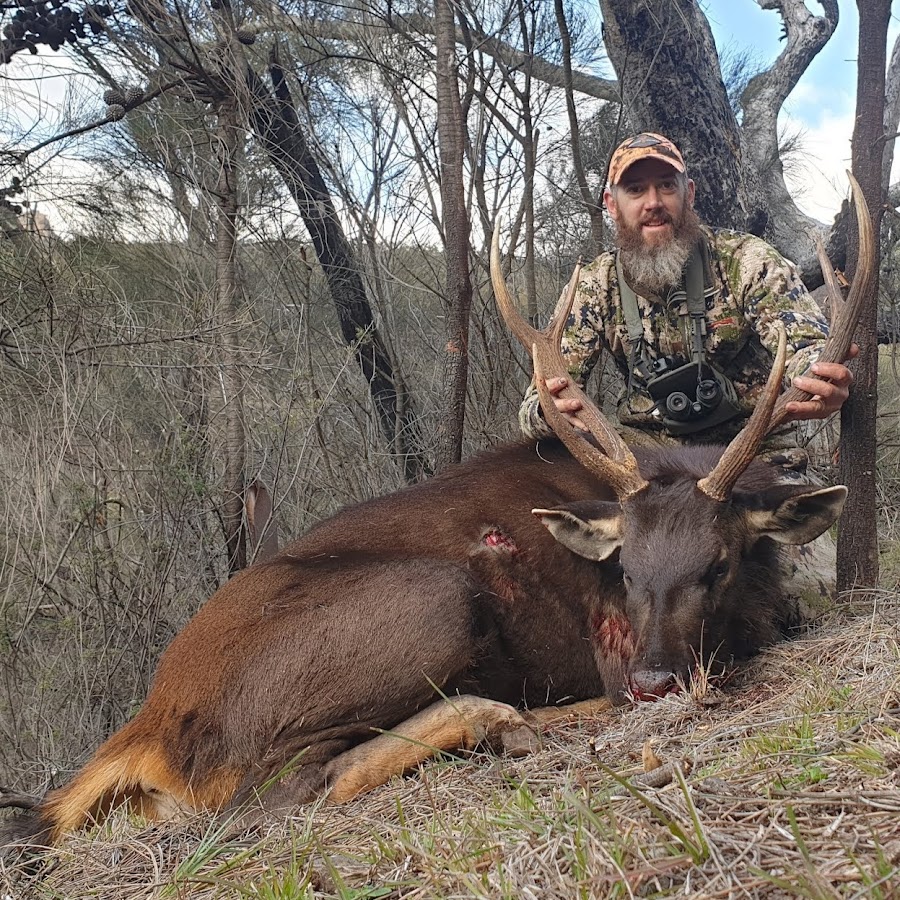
(280, 688)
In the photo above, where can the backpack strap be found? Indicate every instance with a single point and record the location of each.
(637, 359)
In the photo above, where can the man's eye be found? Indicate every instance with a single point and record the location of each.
(668, 187)
(634, 190)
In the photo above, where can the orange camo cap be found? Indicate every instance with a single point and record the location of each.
(645, 145)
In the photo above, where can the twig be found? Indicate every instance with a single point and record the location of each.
(10, 799)
(74, 132)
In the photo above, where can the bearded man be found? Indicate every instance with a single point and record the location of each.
(688, 314)
(677, 295)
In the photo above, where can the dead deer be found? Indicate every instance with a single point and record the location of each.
(534, 575)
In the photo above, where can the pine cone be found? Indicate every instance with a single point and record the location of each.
(245, 36)
(133, 95)
(113, 97)
(115, 111)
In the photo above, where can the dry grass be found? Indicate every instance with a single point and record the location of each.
(794, 791)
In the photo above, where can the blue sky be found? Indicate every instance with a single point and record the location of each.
(822, 106)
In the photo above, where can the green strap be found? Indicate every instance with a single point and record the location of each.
(629, 305)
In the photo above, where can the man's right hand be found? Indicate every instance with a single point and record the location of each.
(568, 407)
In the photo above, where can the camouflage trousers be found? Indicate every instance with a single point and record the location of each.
(807, 458)
(811, 578)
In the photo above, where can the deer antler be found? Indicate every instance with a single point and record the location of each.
(844, 313)
(738, 454)
(614, 462)
(769, 414)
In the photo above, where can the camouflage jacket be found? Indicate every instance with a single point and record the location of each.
(754, 287)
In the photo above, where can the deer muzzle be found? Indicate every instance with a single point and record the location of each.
(652, 684)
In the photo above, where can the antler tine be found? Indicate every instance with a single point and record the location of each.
(548, 362)
(740, 452)
(833, 289)
(844, 313)
(771, 412)
(625, 481)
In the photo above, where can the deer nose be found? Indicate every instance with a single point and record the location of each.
(648, 683)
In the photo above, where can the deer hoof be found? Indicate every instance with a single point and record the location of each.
(520, 741)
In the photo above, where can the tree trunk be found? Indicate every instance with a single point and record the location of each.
(277, 126)
(891, 114)
(858, 535)
(228, 137)
(664, 54)
(451, 139)
(761, 101)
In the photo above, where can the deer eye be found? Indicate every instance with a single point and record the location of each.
(716, 572)
(627, 579)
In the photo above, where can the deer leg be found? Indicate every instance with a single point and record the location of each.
(452, 724)
(584, 709)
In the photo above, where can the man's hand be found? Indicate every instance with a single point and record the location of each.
(828, 396)
(569, 408)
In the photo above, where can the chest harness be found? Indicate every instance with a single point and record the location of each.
(688, 396)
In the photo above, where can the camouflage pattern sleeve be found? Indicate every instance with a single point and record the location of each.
(582, 341)
(770, 290)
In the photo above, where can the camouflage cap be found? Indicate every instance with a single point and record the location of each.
(644, 146)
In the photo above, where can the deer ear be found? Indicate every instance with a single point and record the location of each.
(592, 530)
(799, 517)
(261, 522)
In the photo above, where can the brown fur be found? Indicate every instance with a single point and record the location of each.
(283, 680)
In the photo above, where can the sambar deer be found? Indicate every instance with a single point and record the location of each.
(533, 575)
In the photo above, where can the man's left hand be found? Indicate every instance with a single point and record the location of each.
(828, 396)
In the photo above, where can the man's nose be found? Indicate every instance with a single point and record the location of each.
(652, 198)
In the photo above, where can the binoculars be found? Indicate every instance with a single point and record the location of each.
(691, 396)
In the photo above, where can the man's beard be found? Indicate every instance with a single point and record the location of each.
(656, 267)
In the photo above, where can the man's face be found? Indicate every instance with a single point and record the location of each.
(649, 205)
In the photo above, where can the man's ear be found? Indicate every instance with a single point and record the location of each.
(590, 529)
(612, 207)
(797, 516)
(690, 193)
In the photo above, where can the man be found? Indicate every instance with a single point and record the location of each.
(635, 303)
(688, 315)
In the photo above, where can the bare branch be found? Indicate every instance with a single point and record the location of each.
(761, 101)
(511, 57)
(592, 205)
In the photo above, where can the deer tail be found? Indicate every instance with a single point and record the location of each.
(130, 768)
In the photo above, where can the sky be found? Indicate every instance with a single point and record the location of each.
(821, 107)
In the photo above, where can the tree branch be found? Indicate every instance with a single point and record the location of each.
(512, 58)
(761, 102)
(82, 129)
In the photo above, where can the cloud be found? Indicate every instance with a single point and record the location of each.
(816, 174)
